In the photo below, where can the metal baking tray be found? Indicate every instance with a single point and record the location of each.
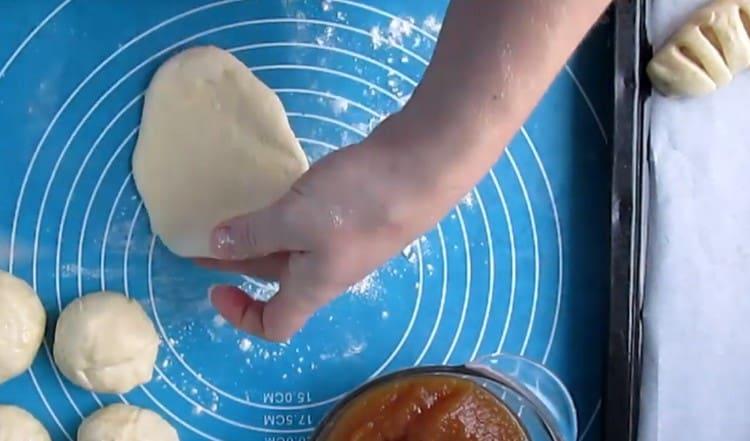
(630, 178)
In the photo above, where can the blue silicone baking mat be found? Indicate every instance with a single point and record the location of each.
(519, 266)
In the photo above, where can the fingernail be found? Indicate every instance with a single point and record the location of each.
(223, 242)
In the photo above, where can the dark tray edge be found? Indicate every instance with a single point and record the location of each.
(629, 222)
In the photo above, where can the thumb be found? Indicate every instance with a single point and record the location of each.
(254, 235)
(277, 320)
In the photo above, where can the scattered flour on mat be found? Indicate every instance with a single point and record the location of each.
(362, 127)
(259, 290)
(213, 406)
(432, 25)
(218, 321)
(430, 269)
(368, 288)
(214, 402)
(246, 344)
(73, 270)
(326, 37)
(377, 37)
(340, 106)
(468, 200)
(354, 349)
(398, 29)
(347, 138)
(410, 252)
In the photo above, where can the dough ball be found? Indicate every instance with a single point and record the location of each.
(120, 422)
(105, 342)
(22, 319)
(214, 143)
(18, 425)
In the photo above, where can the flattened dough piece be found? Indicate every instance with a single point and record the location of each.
(121, 422)
(214, 143)
(18, 425)
(22, 320)
(706, 52)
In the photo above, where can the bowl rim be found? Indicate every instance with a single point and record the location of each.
(455, 370)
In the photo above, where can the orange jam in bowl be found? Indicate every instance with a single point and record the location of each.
(424, 407)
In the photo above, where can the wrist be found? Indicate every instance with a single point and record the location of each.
(435, 155)
(422, 171)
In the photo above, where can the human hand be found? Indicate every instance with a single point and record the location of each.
(347, 215)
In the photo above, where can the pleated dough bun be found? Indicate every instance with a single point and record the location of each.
(705, 53)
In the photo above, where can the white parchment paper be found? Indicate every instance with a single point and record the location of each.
(696, 378)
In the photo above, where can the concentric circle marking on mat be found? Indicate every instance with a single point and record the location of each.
(163, 377)
(31, 35)
(443, 295)
(75, 93)
(60, 237)
(513, 265)
(467, 287)
(30, 168)
(548, 187)
(536, 155)
(535, 240)
(47, 406)
(491, 276)
(412, 83)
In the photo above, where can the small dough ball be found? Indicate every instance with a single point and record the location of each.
(105, 342)
(22, 319)
(121, 422)
(18, 425)
(214, 143)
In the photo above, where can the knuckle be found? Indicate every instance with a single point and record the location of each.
(251, 235)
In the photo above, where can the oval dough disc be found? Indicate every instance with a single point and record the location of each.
(214, 143)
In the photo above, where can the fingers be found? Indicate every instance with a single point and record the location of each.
(277, 320)
(238, 308)
(285, 314)
(255, 235)
(267, 268)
